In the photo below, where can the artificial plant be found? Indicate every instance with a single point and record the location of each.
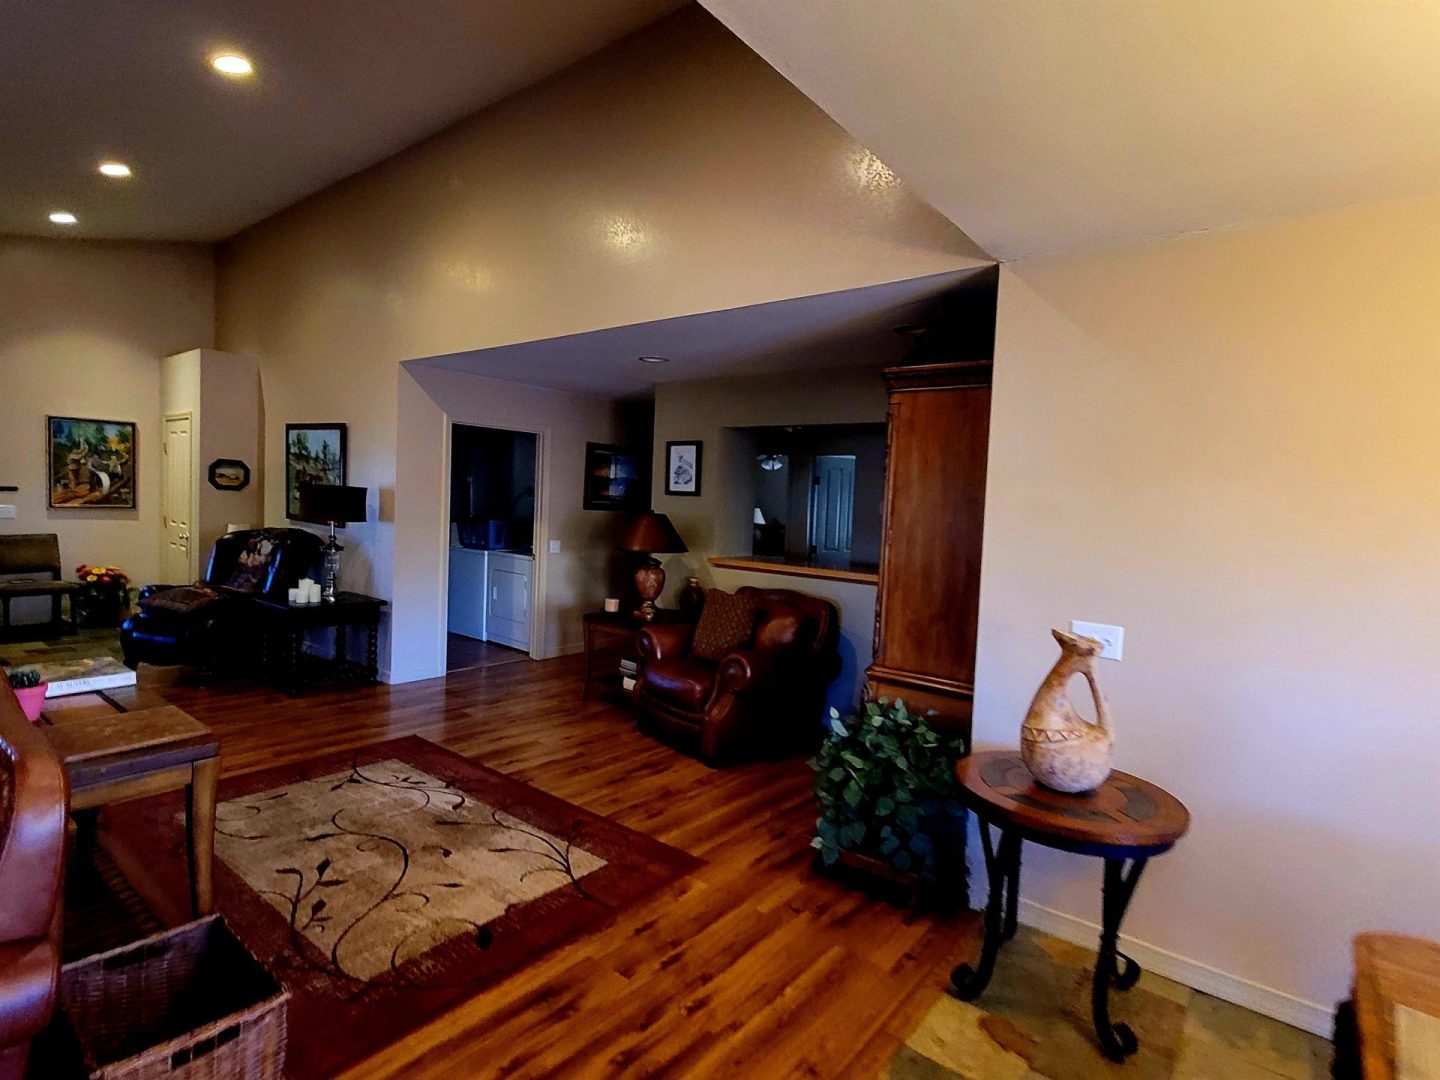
(885, 780)
(22, 678)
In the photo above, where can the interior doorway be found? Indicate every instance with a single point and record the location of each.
(832, 509)
(177, 563)
(491, 592)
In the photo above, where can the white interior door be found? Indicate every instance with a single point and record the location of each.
(832, 509)
(176, 560)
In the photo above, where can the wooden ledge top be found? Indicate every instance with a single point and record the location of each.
(152, 730)
(795, 569)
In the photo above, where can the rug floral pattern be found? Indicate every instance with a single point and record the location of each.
(378, 864)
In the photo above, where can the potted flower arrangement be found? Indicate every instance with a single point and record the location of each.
(29, 687)
(885, 781)
(107, 594)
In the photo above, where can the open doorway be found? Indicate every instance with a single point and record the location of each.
(492, 546)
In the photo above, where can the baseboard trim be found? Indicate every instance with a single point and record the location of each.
(571, 649)
(1297, 1012)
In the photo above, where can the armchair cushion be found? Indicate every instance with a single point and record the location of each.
(727, 623)
(681, 681)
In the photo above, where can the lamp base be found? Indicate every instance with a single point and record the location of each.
(329, 567)
(649, 583)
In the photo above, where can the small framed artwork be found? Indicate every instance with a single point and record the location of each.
(229, 474)
(614, 479)
(314, 454)
(91, 463)
(682, 468)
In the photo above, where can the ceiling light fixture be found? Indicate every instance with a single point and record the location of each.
(115, 169)
(232, 64)
(654, 359)
(62, 217)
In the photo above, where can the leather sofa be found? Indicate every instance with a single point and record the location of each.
(206, 625)
(764, 700)
(33, 802)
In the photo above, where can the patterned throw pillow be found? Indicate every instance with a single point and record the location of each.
(727, 623)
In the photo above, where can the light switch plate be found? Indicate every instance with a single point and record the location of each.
(554, 547)
(1112, 636)
(7, 511)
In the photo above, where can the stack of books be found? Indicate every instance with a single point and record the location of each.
(85, 676)
(629, 673)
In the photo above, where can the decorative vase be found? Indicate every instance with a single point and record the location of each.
(1062, 749)
(32, 701)
(692, 597)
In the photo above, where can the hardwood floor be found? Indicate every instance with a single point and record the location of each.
(749, 967)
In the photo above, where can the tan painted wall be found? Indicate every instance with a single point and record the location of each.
(670, 174)
(710, 410)
(82, 329)
(1230, 445)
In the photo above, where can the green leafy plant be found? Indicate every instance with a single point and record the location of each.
(885, 780)
(22, 678)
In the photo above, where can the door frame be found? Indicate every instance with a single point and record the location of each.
(182, 414)
(539, 542)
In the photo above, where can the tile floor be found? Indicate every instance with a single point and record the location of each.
(1033, 1021)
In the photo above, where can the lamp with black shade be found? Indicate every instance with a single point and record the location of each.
(331, 504)
(650, 534)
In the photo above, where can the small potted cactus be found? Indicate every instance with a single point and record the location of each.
(29, 689)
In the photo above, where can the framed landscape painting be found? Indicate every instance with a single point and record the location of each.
(91, 463)
(314, 454)
(614, 479)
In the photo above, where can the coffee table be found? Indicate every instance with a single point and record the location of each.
(112, 754)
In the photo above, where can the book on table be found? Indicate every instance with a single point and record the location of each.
(84, 676)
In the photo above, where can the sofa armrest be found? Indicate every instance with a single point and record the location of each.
(147, 591)
(662, 641)
(33, 848)
(751, 668)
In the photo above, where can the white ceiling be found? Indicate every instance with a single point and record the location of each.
(339, 85)
(852, 328)
(1043, 125)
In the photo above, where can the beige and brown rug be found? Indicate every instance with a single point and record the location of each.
(385, 885)
(1033, 1023)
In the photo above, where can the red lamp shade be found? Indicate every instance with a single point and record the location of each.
(651, 532)
(331, 504)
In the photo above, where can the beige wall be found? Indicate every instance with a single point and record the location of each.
(82, 329)
(1230, 445)
(716, 521)
(573, 580)
(670, 174)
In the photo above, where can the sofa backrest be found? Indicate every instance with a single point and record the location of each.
(794, 618)
(264, 562)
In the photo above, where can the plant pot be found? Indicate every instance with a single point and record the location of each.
(32, 701)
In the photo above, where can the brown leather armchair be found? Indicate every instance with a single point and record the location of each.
(33, 801)
(767, 699)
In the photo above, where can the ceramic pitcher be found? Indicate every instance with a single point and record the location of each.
(1061, 749)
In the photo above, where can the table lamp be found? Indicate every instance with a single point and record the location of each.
(331, 504)
(649, 533)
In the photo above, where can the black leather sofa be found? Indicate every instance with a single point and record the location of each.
(206, 625)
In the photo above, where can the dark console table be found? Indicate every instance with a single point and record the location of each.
(282, 628)
(1125, 821)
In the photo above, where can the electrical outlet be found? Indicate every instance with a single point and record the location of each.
(1113, 637)
(554, 547)
(7, 511)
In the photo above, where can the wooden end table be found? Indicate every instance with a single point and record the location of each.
(117, 756)
(1126, 821)
(282, 627)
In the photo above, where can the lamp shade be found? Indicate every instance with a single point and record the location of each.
(650, 532)
(324, 504)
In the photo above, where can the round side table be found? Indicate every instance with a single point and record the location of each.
(1125, 821)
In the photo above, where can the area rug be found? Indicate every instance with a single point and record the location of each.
(384, 885)
(1033, 1023)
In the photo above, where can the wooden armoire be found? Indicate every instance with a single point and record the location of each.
(928, 603)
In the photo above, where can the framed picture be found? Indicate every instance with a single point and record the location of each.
(229, 474)
(682, 468)
(614, 479)
(91, 463)
(314, 454)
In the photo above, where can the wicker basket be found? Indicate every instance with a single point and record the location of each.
(189, 1004)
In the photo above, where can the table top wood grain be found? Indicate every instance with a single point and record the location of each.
(1391, 970)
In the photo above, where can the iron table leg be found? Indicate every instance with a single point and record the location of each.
(1002, 867)
(1116, 1040)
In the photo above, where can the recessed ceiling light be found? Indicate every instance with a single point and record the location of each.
(232, 64)
(655, 359)
(62, 217)
(117, 169)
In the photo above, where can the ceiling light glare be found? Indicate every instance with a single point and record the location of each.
(115, 169)
(232, 64)
(654, 359)
(62, 217)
